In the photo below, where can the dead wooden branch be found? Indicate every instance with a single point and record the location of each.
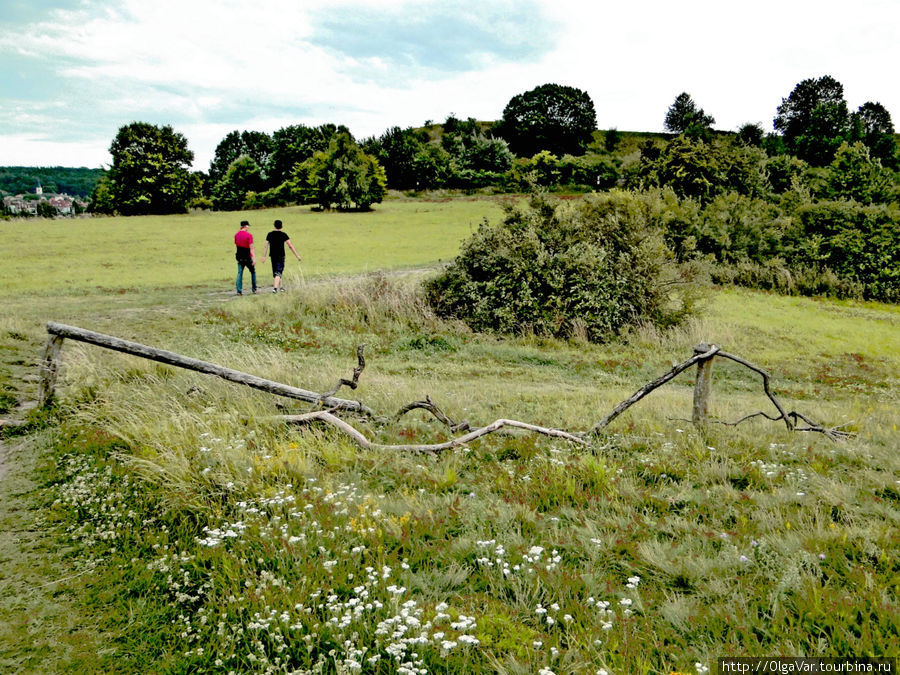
(650, 386)
(429, 405)
(358, 438)
(834, 433)
(60, 331)
(765, 378)
(703, 357)
(351, 383)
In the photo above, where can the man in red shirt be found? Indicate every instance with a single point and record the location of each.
(245, 255)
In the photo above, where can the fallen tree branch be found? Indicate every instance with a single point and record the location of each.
(765, 378)
(429, 405)
(703, 353)
(173, 359)
(363, 442)
(650, 386)
(834, 433)
(352, 383)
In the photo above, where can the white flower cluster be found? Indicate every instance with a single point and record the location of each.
(100, 499)
(530, 561)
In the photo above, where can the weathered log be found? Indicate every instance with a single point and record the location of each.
(59, 331)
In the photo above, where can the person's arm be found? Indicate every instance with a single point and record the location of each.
(288, 242)
(265, 252)
(252, 254)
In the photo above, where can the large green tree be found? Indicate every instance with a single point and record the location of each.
(872, 125)
(814, 120)
(243, 176)
(344, 177)
(550, 117)
(257, 145)
(295, 144)
(150, 170)
(685, 117)
(396, 150)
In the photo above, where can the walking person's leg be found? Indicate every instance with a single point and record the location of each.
(277, 271)
(253, 275)
(239, 282)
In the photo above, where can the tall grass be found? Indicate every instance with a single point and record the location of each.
(235, 543)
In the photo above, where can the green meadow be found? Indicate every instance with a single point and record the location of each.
(157, 520)
(119, 254)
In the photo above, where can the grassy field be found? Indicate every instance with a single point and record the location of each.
(181, 527)
(119, 255)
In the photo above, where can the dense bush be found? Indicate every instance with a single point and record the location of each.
(590, 268)
(855, 175)
(702, 170)
(859, 243)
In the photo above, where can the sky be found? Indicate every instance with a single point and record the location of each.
(72, 72)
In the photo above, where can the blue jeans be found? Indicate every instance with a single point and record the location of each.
(239, 282)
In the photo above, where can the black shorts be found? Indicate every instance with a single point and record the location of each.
(277, 266)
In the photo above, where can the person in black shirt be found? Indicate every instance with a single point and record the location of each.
(275, 241)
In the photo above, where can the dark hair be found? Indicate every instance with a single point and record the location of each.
(277, 224)
(245, 223)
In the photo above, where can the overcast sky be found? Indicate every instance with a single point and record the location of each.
(74, 71)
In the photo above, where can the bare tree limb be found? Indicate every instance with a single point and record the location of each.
(650, 386)
(429, 405)
(352, 383)
(173, 359)
(702, 354)
(434, 448)
(765, 377)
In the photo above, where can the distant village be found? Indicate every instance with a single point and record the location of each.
(39, 203)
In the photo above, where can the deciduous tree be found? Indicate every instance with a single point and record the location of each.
(344, 177)
(684, 117)
(814, 120)
(873, 126)
(296, 143)
(243, 176)
(150, 170)
(551, 117)
(257, 145)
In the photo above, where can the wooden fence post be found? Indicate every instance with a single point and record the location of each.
(49, 368)
(703, 386)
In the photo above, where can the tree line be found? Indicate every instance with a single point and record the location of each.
(77, 182)
(546, 136)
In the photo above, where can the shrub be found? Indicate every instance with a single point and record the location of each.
(857, 242)
(594, 267)
(200, 204)
(590, 170)
(736, 228)
(855, 175)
